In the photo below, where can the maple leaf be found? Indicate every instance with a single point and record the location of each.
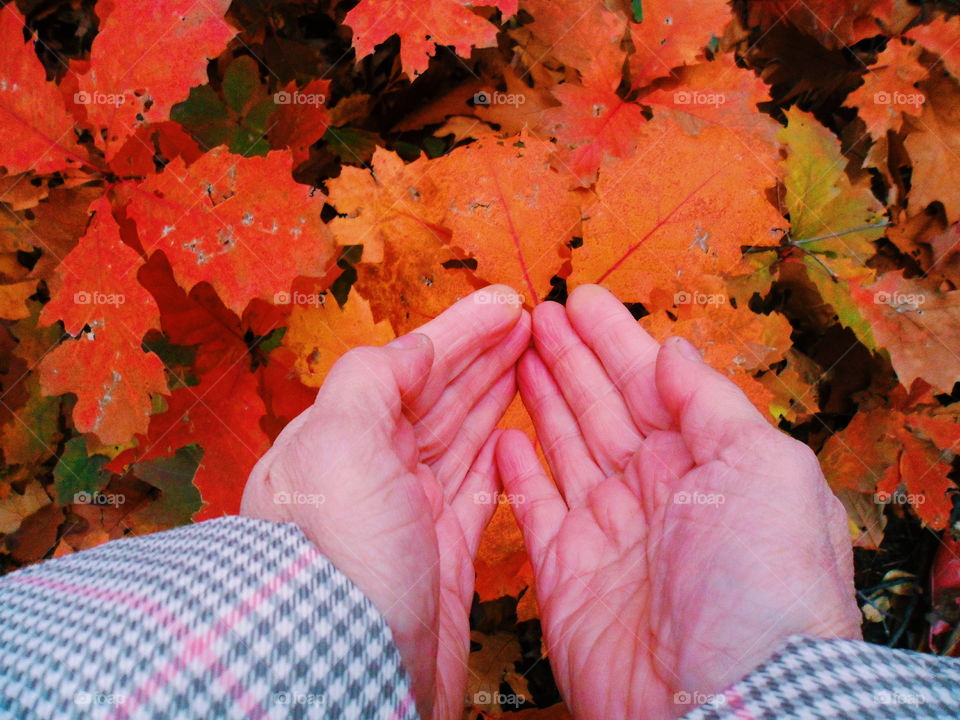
(136, 77)
(673, 33)
(508, 209)
(215, 414)
(585, 37)
(833, 24)
(31, 433)
(933, 143)
(590, 124)
(391, 200)
(423, 26)
(76, 473)
(96, 296)
(13, 299)
(302, 117)
(718, 93)
(889, 89)
(321, 331)
(830, 216)
(688, 209)
(17, 506)
(941, 37)
(419, 278)
(179, 498)
(493, 662)
(36, 127)
(217, 222)
(240, 120)
(865, 517)
(916, 324)
(885, 449)
(735, 341)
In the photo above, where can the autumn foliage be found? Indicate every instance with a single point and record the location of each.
(205, 204)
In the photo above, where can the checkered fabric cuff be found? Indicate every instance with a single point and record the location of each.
(229, 618)
(812, 678)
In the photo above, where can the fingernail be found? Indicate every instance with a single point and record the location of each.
(411, 341)
(687, 349)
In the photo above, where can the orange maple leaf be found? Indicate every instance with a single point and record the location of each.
(96, 291)
(218, 222)
(422, 26)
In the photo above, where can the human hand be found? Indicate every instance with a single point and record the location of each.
(394, 465)
(685, 537)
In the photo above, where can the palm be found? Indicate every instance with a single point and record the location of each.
(681, 550)
(398, 445)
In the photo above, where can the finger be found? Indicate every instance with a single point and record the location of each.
(711, 411)
(436, 430)
(369, 386)
(562, 440)
(476, 500)
(461, 333)
(626, 350)
(595, 401)
(537, 503)
(452, 466)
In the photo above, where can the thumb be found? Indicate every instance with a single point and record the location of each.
(710, 409)
(376, 383)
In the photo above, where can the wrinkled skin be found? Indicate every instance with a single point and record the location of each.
(400, 446)
(685, 537)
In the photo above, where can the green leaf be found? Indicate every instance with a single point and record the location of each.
(824, 203)
(352, 145)
(240, 81)
(77, 475)
(173, 477)
(202, 114)
(251, 136)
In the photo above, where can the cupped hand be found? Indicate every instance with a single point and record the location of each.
(391, 474)
(684, 538)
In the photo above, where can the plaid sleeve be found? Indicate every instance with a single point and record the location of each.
(815, 679)
(231, 618)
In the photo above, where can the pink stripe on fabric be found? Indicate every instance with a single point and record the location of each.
(132, 600)
(165, 619)
(401, 711)
(735, 701)
(197, 646)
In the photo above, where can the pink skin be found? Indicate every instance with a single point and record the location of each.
(642, 596)
(400, 445)
(684, 538)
